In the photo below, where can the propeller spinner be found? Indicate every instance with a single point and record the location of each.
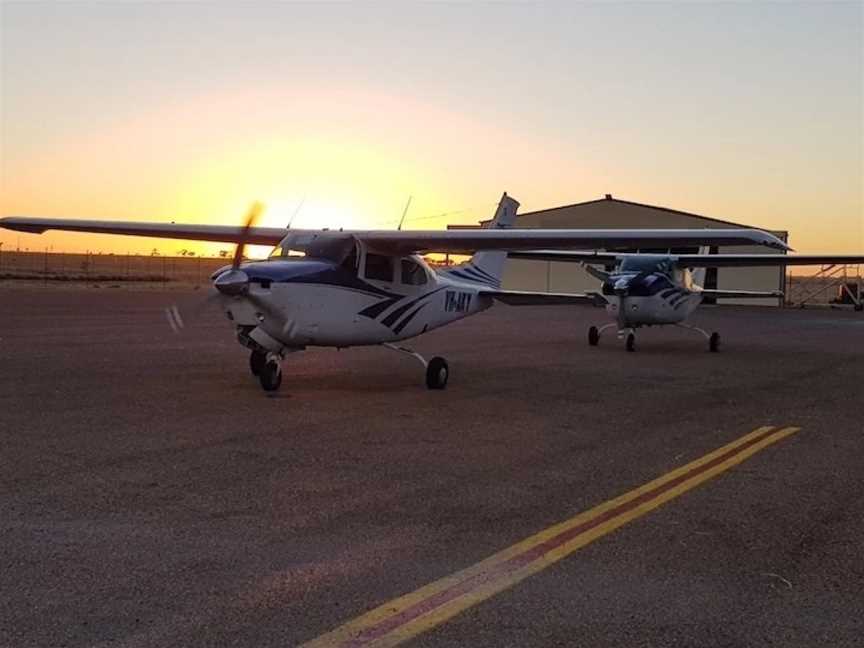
(235, 282)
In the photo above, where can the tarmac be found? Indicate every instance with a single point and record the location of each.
(151, 494)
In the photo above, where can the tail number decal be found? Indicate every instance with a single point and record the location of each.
(456, 301)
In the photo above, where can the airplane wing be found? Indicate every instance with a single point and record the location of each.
(695, 260)
(415, 241)
(470, 241)
(589, 257)
(739, 294)
(745, 260)
(528, 298)
(218, 233)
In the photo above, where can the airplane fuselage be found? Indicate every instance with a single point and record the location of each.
(312, 302)
(650, 298)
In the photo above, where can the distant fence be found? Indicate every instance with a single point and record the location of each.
(49, 266)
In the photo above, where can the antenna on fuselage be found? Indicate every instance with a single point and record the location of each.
(296, 211)
(404, 211)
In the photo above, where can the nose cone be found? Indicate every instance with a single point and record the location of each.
(622, 286)
(232, 282)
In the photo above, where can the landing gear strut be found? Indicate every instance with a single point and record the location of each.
(594, 333)
(713, 338)
(437, 370)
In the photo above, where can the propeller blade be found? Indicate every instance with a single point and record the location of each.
(176, 320)
(251, 218)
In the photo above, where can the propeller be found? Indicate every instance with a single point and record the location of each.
(233, 282)
(622, 291)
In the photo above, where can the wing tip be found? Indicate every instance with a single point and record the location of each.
(21, 225)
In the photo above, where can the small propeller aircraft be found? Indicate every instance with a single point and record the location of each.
(657, 290)
(338, 288)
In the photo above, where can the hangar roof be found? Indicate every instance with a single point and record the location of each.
(609, 211)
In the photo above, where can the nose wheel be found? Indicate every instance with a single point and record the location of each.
(257, 360)
(270, 375)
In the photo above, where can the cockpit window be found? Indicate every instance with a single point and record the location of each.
(661, 265)
(282, 253)
(412, 273)
(379, 267)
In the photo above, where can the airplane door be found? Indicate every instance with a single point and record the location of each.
(411, 275)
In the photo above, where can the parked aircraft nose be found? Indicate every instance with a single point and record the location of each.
(622, 286)
(232, 282)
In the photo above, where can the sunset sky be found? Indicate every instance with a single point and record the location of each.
(750, 112)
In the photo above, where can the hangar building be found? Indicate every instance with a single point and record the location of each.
(613, 213)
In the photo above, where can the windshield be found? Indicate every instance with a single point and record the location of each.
(283, 253)
(647, 263)
(331, 246)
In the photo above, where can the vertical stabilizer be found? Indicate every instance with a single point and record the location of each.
(490, 263)
(699, 273)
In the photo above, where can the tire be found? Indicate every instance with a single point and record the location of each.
(631, 342)
(593, 336)
(270, 376)
(257, 360)
(437, 373)
(714, 343)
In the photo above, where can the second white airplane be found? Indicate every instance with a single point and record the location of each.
(646, 290)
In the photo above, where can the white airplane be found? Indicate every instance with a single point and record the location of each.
(657, 289)
(371, 287)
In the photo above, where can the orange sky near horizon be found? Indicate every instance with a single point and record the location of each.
(772, 137)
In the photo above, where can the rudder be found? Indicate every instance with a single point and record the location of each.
(491, 262)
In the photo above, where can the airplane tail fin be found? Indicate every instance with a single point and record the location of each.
(490, 263)
(698, 274)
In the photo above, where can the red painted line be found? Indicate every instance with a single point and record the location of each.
(530, 555)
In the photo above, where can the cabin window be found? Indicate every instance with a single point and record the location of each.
(379, 267)
(412, 273)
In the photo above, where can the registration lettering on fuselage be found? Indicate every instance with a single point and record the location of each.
(456, 301)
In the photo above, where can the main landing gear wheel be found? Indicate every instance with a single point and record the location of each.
(257, 360)
(270, 376)
(437, 373)
(631, 342)
(714, 343)
(593, 336)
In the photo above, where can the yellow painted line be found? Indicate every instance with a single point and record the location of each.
(409, 615)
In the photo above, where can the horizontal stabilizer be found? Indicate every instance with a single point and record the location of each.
(528, 298)
(741, 294)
